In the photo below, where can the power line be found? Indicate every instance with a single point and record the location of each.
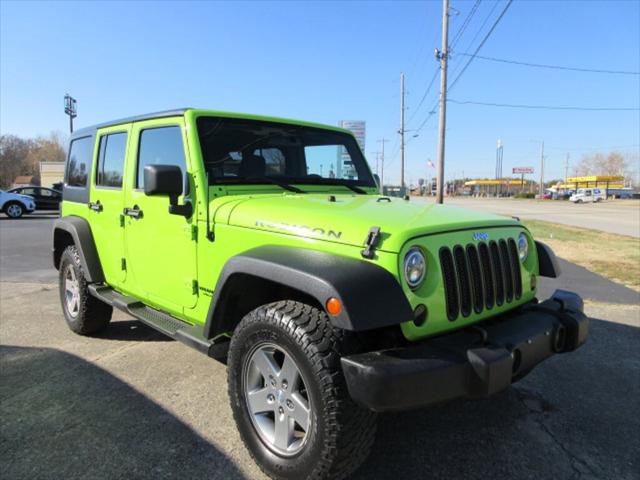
(544, 107)
(424, 96)
(456, 38)
(465, 23)
(484, 40)
(554, 67)
(484, 22)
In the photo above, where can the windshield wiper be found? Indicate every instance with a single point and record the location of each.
(284, 185)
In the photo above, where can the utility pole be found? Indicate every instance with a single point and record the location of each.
(377, 154)
(70, 108)
(566, 169)
(382, 141)
(442, 56)
(542, 169)
(401, 132)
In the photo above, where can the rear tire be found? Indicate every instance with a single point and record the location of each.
(14, 210)
(296, 337)
(84, 313)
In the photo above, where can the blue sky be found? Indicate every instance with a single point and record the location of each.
(327, 61)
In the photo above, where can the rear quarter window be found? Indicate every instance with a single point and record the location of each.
(79, 162)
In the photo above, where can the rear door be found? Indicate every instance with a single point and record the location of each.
(160, 247)
(106, 201)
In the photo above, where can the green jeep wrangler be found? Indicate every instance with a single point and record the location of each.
(264, 244)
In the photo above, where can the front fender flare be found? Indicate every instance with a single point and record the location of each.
(371, 296)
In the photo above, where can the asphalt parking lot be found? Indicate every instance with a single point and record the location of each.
(134, 404)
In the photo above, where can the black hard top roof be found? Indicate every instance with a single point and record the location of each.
(147, 116)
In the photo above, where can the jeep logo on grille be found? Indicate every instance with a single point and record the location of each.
(480, 236)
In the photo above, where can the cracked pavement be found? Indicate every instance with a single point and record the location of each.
(132, 403)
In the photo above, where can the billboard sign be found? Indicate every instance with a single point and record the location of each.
(522, 170)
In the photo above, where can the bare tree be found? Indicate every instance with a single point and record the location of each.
(13, 151)
(19, 156)
(615, 163)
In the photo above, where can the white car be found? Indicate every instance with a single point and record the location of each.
(588, 195)
(15, 205)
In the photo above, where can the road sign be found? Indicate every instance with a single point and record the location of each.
(522, 170)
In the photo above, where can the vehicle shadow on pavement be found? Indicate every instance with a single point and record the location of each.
(577, 415)
(91, 425)
(131, 330)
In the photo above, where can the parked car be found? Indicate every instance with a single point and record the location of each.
(46, 198)
(327, 301)
(15, 205)
(584, 195)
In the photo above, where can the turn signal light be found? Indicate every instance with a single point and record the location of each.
(334, 306)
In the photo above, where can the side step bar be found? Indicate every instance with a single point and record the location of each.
(184, 332)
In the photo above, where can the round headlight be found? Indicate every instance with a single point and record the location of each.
(523, 247)
(415, 267)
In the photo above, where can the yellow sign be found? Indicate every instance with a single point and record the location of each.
(595, 178)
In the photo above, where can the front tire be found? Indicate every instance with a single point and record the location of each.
(14, 210)
(289, 397)
(84, 313)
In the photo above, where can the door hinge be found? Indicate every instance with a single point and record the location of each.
(194, 287)
(194, 232)
(121, 220)
(123, 264)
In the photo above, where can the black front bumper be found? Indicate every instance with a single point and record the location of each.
(475, 362)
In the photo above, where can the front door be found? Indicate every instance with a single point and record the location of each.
(160, 247)
(106, 201)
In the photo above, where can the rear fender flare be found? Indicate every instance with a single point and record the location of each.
(80, 231)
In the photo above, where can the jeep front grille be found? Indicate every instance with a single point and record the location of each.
(479, 277)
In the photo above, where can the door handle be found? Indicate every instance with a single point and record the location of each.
(134, 212)
(96, 207)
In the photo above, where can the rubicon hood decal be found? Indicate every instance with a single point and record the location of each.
(303, 230)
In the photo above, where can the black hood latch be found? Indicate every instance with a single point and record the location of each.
(373, 238)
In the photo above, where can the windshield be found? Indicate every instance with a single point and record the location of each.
(249, 151)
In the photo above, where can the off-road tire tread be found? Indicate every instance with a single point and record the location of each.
(94, 315)
(351, 428)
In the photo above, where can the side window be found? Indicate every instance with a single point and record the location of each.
(79, 161)
(111, 160)
(160, 146)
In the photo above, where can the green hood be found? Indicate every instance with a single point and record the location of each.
(348, 219)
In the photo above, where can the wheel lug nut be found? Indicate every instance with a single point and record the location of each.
(272, 381)
(289, 404)
(281, 410)
(271, 398)
(284, 384)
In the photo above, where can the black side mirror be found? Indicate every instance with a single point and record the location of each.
(166, 180)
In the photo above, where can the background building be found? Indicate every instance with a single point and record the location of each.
(51, 173)
(344, 167)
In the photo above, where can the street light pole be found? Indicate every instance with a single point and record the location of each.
(402, 134)
(442, 56)
(70, 108)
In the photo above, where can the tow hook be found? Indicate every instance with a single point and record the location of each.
(373, 238)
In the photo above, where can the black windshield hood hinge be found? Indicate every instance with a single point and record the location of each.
(371, 242)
